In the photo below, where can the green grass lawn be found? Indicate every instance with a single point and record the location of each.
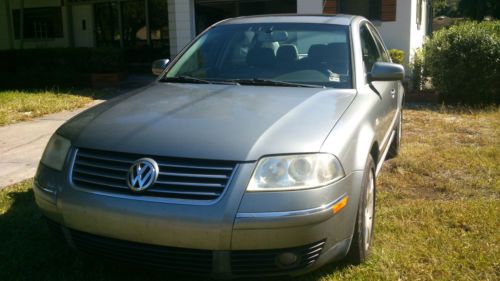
(18, 106)
(438, 213)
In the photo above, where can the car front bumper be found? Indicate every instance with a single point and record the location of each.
(243, 233)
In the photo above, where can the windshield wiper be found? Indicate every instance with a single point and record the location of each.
(270, 82)
(190, 79)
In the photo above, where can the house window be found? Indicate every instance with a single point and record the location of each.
(134, 23)
(375, 9)
(370, 9)
(134, 31)
(107, 30)
(38, 23)
(158, 16)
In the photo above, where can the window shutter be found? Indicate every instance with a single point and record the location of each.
(330, 7)
(388, 10)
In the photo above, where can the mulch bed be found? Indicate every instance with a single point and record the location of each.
(422, 97)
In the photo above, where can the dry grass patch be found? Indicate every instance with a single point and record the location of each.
(438, 211)
(18, 106)
(447, 154)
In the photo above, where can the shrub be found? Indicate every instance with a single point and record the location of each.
(397, 56)
(418, 75)
(464, 63)
(63, 67)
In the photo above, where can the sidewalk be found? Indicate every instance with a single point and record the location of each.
(22, 144)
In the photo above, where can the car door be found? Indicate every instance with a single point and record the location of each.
(385, 57)
(382, 89)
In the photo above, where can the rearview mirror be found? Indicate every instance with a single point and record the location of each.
(272, 36)
(384, 71)
(159, 66)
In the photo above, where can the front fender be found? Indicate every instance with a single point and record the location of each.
(354, 135)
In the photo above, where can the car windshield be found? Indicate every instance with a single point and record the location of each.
(278, 54)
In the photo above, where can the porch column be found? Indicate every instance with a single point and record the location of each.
(180, 24)
(310, 6)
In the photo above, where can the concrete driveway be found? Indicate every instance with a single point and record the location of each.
(22, 144)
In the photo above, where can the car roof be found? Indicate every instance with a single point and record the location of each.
(292, 18)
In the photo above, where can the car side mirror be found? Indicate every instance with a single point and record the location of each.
(159, 66)
(384, 71)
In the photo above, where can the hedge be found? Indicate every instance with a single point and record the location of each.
(464, 63)
(70, 67)
(83, 60)
(397, 56)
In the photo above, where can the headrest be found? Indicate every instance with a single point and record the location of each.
(287, 53)
(338, 49)
(261, 57)
(318, 53)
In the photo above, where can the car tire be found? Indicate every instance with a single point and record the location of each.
(396, 142)
(365, 219)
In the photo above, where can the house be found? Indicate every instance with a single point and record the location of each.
(173, 23)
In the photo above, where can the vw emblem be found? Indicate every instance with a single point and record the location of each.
(142, 174)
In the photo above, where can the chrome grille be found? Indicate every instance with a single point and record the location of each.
(180, 178)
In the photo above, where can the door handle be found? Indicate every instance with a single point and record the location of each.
(393, 93)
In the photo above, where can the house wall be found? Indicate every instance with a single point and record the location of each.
(83, 37)
(309, 6)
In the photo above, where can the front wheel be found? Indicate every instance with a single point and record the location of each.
(365, 219)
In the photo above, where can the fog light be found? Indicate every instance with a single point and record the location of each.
(287, 260)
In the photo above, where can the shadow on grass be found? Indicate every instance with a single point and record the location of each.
(28, 251)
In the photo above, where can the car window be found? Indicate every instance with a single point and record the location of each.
(317, 54)
(385, 57)
(371, 54)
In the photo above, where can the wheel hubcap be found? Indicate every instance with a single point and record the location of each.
(369, 210)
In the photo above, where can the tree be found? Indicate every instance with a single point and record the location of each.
(448, 8)
(479, 9)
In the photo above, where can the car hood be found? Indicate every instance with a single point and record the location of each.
(226, 122)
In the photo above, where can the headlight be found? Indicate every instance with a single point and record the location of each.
(294, 172)
(55, 152)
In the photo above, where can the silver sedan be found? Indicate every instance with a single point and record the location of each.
(255, 152)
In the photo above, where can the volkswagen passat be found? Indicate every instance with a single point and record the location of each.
(255, 152)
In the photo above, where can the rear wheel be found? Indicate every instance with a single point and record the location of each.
(363, 230)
